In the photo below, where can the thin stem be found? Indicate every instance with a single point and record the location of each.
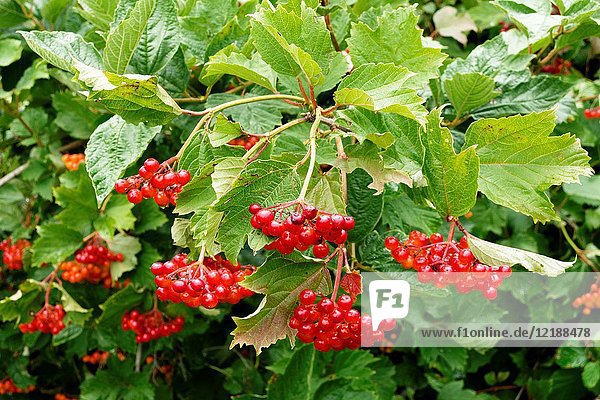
(580, 253)
(138, 358)
(342, 156)
(450, 237)
(313, 153)
(334, 126)
(14, 173)
(338, 273)
(208, 113)
(268, 136)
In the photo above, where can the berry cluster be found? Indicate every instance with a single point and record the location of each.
(72, 161)
(589, 300)
(95, 358)
(435, 260)
(558, 67)
(301, 229)
(7, 386)
(246, 141)
(333, 325)
(214, 281)
(592, 113)
(13, 253)
(154, 181)
(48, 320)
(151, 325)
(74, 272)
(97, 254)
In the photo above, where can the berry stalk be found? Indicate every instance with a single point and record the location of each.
(313, 153)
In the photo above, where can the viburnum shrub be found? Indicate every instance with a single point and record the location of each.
(7, 386)
(287, 147)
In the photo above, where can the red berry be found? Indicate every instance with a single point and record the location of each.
(121, 186)
(263, 217)
(254, 208)
(183, 177)
(161, 199)
(391, 243)
(151, 165)
(135, 196)
(307, 297)
(321, 250)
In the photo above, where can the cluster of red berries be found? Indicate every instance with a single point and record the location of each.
(97, 254)
(151, 325)
(558, 67)
(214, 281)
(246, 141)
(301, 229)
(436, 260)
(12, 255)
(589, 300)
(592, 113)
(72, 161)
(154, 181)
(334, 325)
(47, 320)
(7, 386)
(95, 358)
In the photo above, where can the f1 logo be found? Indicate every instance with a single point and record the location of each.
(389, 299)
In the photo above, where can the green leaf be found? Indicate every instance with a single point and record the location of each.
(539, 93)
(363, 205)
(125, 37)
(78, 200)
(12, 14)
(493, 58)
(197, 194)
(402, 213)
(205, 230)
(129, 246)
(118, 210)
(325, 192)
(367, 157)
(406, 152)
(452, 177)
(250, 69)
(534, 18)
(98, 12)
(519, 161)
(113, 146)
(159, 41)
(69, 304)
(136, 98)
(587, 192)
(175, 76)
(71, 332)
(63, 49)
(17, 306)
(225, 174)
(10, 51)
(296, 43)
(38, 70)
(591, 374)
(496, 254)
(571, 357)
(394, 37)
(52, 9)
(55, 244)
(223, 131)
(149, 216)
(280, 279)
(262, 182)
(381, 87)
(469, 91)
(118, 381)
(74, 115)
(301, 377)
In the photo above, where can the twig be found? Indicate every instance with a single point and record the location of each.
(70, 146)
(338, 273)
(342, 156)
(14, 173)
(580, 253)
(334, 125)
(313, 153)
(138, 358)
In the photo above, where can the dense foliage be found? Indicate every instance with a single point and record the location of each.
(188, 187)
